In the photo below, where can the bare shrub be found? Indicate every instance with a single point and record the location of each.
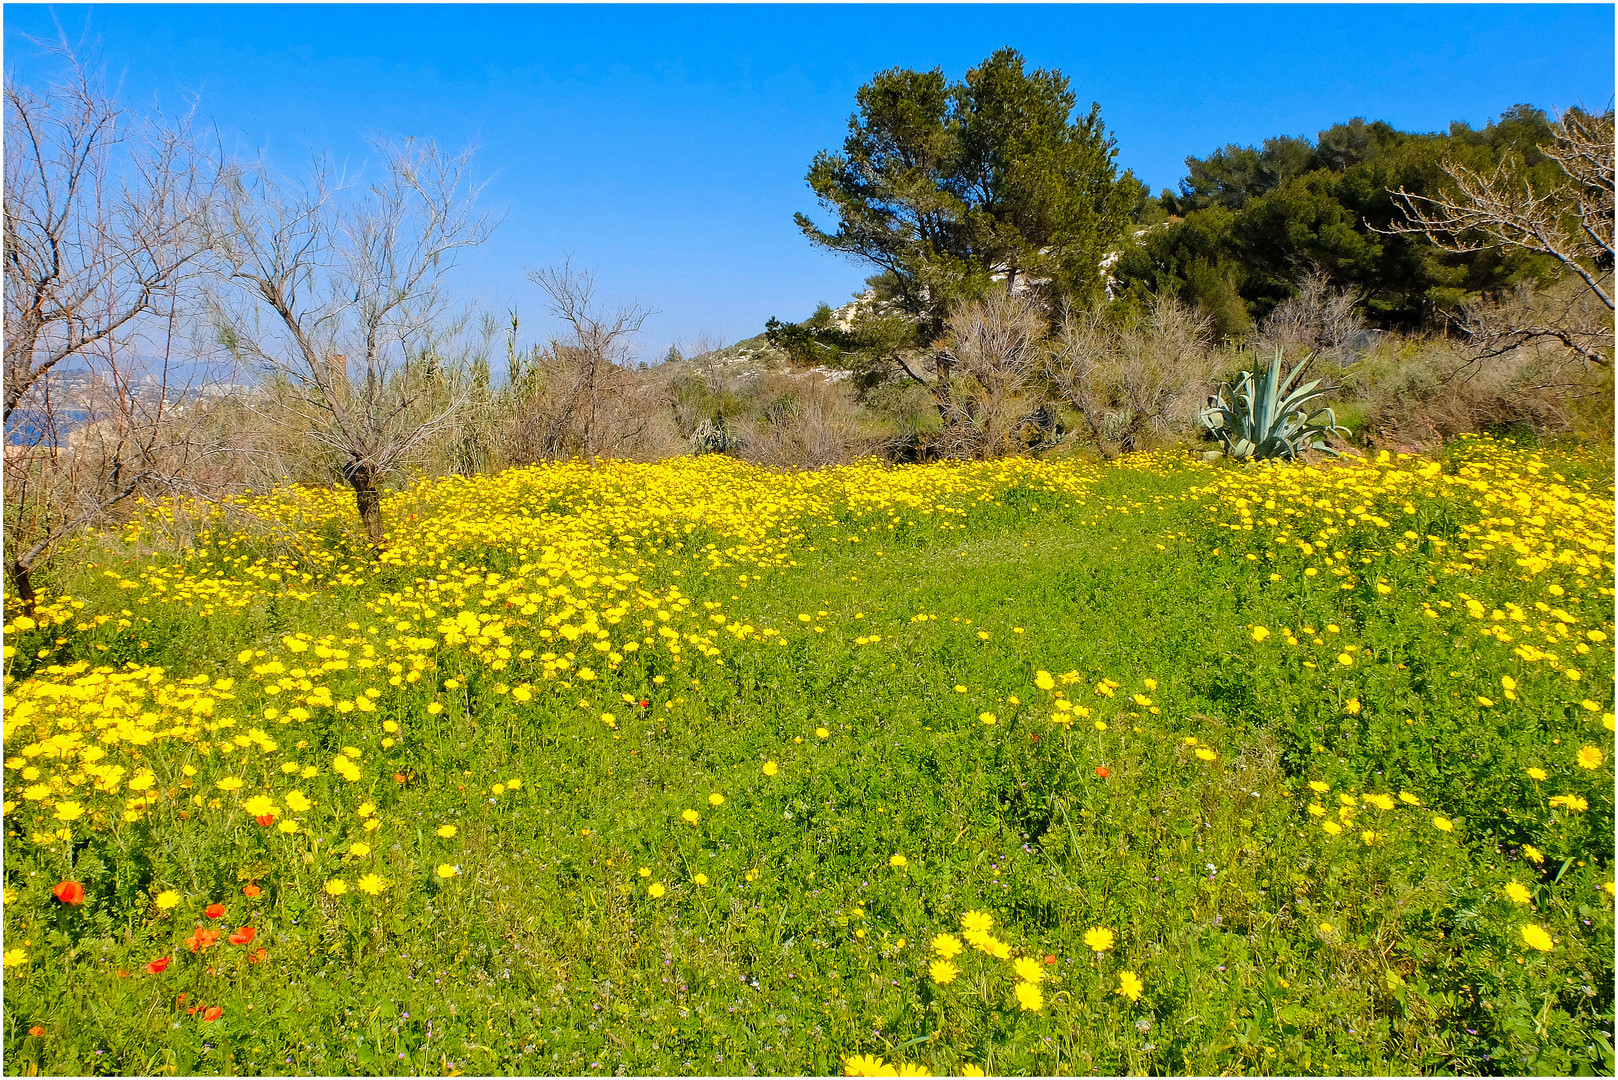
(1422, 392)
(1135, 381)
(808, 422)
(995, 345)
(570, 407)
(265, 451)
(583, 381)
(1319, 319)
(580, 397)
(709, 395)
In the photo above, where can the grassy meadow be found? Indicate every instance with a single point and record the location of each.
(1021, 767)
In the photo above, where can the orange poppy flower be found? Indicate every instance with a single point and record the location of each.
(256, 956)
(158, 966)
(214, 1012)
(265, 820)
(1103, 772)
(250, 890)
(214, 911)
(36, 1031)
(242, 936)
(202, 939)
(69, 892)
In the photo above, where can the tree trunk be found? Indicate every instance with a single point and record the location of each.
(22, 579)
(944, 397)
(943, 367)
(362, 478)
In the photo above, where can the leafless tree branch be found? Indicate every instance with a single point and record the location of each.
(104, 219)
(1570, 220)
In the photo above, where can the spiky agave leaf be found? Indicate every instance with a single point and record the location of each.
(1267, 418)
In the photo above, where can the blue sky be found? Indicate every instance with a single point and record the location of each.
(665, 146)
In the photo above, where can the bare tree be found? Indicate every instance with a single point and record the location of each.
(1135, 379)
(586, 378)
(104, 217)
(1571, 221)
(341, 303)
(105, 230)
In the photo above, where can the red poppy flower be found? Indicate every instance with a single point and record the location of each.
(36, 1031)
(265, 820)
(251, 890)
(1103, 772)
(122, 974)
(1033, 738)
(214, 911)
(69, 892)
(180, 1000)
(242, 936)
(645, 704)
(1049, 959)
(158, 966)
(214, 1012)
(257, 955)
(398, 777)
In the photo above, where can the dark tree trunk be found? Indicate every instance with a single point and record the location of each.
(362, 478)
(943, 367)
(22, 579)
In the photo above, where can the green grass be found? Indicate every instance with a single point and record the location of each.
(546, 954)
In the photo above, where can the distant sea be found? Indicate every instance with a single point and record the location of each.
(26, 427)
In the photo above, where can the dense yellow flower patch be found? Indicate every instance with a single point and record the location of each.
(568, 605)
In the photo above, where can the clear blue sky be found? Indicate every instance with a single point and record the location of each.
(666, 146)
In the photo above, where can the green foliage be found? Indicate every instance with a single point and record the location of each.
(818, 340)
(1253, 219)
(1268, 418)
(944, 186)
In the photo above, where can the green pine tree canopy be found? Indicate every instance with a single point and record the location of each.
(1250, 222)
(946, 187)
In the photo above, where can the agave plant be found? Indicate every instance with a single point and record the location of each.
(1270, 418)
(712, 438)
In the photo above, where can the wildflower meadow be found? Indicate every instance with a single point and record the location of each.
(702, 768)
